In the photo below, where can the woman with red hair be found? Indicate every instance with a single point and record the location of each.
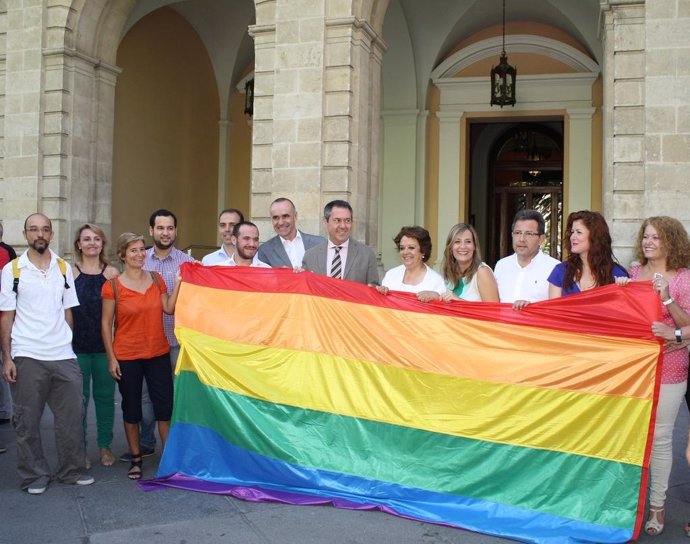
(590, 261)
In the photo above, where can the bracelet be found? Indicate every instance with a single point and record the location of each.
(668, 301)
(679, 335)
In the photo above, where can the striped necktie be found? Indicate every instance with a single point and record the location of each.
(337, 264)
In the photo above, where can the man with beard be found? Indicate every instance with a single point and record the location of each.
(245, 237)
(226, 223)
(38, 361)
(163, 257)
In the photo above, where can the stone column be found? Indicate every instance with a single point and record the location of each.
(400, 178)
(579, 139)
(451, 204)
(316, 111)
(623, 35)
(667, 111)
(23, 82)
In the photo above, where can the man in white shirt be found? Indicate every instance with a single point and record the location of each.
(522, 276)
(38, 361)
(226, 222)
(287, 248)
(245, 237)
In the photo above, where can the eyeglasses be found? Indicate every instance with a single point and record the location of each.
(527, 234)
(36, 230)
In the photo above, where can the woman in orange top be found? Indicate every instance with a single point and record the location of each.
(137, 348)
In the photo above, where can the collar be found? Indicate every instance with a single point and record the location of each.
(298, 236)
(345, 244)
(24, 261)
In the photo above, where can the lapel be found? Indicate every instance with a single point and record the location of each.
(352, 251)
(280, 252)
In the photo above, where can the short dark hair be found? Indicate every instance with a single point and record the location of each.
(530, 215)
(418, 233)
(236, 228)
(162, 213)
(232, 210)
(328, 208)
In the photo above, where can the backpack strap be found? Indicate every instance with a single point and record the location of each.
(113, 283)
(15, 275)
(62, 265)
(156, 279)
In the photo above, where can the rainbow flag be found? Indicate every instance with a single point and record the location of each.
(533, 425)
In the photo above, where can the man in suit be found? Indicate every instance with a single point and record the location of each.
(341, 256)
(288, 246)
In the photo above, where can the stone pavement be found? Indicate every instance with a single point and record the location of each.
(114, 510)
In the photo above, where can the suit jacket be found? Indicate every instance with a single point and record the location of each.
(360, 266)
(273, 253)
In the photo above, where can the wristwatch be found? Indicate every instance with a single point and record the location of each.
(679, 335)
(668, 301)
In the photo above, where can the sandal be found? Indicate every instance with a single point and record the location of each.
(654, 527)
(135, 471)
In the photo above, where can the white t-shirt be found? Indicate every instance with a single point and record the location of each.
(528, 283)
(39, 330)
(432, 281)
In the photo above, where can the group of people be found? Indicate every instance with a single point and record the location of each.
(123, 323)
(662, 253)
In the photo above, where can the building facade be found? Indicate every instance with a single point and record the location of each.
(114, 108)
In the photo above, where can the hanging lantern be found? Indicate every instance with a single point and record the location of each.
(503, 76)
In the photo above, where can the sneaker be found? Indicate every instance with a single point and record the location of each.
(85, 479)
(145, 452)
(38, 487)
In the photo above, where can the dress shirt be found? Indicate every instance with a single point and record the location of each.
(167, 268)
(217, 257)
(256, 263)
(294, 249)
(331, 253)
(530, 283)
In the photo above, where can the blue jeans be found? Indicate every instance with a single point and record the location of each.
(147, 436)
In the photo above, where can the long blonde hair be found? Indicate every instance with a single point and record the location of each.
(451, 272)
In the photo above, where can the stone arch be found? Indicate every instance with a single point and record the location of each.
(520, 43)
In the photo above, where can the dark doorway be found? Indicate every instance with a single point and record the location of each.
(523, 168)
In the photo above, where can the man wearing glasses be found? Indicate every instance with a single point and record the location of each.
(521, 277)
(38, 361)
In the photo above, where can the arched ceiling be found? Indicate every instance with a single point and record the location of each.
(222, 27)
(435, 27)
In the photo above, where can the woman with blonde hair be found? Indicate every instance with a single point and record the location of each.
(467, 277)
(91, 270)
(663, 251)
(134, 339)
